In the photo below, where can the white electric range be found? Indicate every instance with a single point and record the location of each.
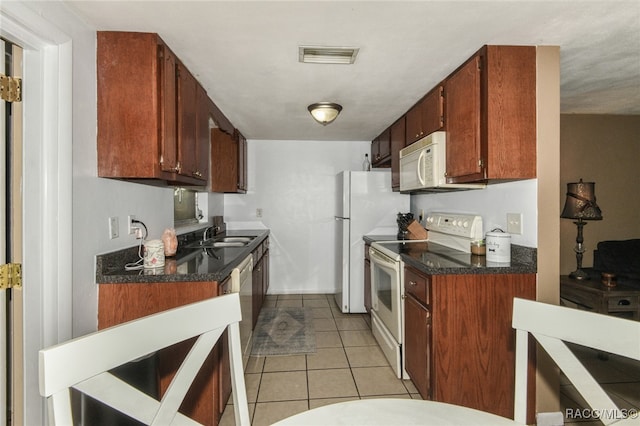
(448, 245)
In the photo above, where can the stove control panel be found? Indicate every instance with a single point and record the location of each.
(456, 224)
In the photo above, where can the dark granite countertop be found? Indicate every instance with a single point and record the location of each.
(189, 264)
(443, 261)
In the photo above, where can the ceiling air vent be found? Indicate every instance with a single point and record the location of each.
(327, 55)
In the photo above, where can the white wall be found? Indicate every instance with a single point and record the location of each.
(293, 182)
(492, 203)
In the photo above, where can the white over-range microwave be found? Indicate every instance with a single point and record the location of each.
(423, 163)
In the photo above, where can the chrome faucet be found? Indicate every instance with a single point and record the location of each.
(216, 229)
(204, 234)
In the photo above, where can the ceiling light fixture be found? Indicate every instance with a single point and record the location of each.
(327, 55)
(324, 112)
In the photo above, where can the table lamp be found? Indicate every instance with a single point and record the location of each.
(581, 205)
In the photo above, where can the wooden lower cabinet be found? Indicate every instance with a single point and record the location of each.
(460, 347)
(260, 278)
(418, 345)
(118, 303)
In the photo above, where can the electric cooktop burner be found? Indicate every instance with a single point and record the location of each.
(448, 243)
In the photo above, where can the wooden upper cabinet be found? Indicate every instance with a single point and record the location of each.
(397, 143)
(491, 116)
(228, 162)
(141, 104)
(426, 116)
(381, 149)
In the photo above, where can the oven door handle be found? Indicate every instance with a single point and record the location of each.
(382, 260)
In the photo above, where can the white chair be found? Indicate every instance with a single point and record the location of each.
(84, 363)
(552, 326)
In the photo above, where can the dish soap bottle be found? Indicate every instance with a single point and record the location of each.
(366, 165)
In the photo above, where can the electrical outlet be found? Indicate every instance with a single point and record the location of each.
(514, 223)
(131, 227)
(114, 227)
(258, 212)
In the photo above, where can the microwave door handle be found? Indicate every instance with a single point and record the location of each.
(421, 161)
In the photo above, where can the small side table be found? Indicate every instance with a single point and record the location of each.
(595, 296)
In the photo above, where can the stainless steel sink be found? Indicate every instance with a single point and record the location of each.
(235, 239)
(222, 242)
(228, 244)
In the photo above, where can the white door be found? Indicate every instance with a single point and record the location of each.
(11, 237)
(3, 259)
(46, 207)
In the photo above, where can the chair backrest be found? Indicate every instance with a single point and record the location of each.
(552, 326)
(84, 363)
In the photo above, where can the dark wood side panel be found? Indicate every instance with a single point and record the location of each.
(510, 80)
(118, 303)
(473, 342)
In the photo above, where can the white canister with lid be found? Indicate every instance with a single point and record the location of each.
(498, 245)
(153, 254)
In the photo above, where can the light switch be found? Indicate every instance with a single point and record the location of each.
(114, 227)
(514, 223)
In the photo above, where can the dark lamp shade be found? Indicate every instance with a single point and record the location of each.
(581, 202)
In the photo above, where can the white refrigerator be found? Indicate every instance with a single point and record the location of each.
(365, 204)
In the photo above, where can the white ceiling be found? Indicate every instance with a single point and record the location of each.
(245, 54)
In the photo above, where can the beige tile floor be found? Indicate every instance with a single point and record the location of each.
(619, 377)
(347, 365)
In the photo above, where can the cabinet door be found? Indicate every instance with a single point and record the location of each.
(433, 111)
(426, 116)
(168, 114)
(381, 149)
(257, 295)
(414, 124)
(417, 345)
(224, 162)
(397, 143)
(242, 162)
(187, 116)
(462, 93)
(130, 100)
(202, 135)
(265, 275)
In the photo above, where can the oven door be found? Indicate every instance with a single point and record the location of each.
(386, 291)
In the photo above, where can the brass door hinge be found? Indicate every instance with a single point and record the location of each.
(10, 88)
(10, 276)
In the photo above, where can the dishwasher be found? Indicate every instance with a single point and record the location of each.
(241, 282)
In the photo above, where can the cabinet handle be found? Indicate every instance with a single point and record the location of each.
(412, 283)
(197, 174)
